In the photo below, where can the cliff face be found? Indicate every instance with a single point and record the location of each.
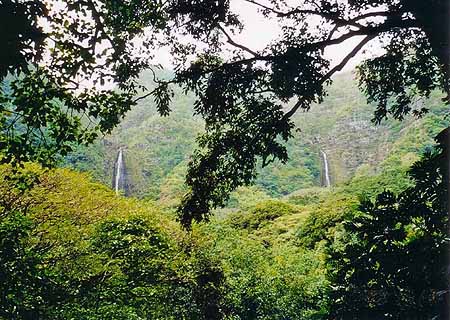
(157, 149)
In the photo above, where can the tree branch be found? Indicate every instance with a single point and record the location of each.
(265, 7)
(145, 95)
(363, 31)
(333, 16)
(358, 18)
(347, 58)
(154, 90)
(237, 45)
(337, 68)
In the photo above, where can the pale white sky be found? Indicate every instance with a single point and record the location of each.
(259, 32)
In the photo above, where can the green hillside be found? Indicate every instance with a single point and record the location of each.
(157, 148)
(284, 248)
(75, 250)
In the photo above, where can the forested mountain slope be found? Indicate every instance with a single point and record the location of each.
(156, 149)
(72, 249)
(277, 251)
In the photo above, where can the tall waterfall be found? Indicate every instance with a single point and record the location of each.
(326, 169)
(119, 174)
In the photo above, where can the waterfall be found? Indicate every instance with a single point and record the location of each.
(326, 169)
(119, 171)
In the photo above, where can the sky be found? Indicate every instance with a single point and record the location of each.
(259, 32)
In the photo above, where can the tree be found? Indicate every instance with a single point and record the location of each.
(25, 288)
(242, 95)
(62, 257)
(68, 71)
(243, 98)
(394, 262)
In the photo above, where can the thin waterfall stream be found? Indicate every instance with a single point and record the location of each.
(119, 171)
(326, 169)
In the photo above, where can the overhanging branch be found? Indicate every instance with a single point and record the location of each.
(347, 58)
(330, 73)
(235, 44)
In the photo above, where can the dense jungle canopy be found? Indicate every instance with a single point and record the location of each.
(52, 47)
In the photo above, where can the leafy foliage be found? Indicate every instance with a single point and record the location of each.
(260, 214)
(265, 281)
(294, 66)
(23, 286)
(393, 242)
(72, 249)
(53, 91)
(46, 105)
(75, 250)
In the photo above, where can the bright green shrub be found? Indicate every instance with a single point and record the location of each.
(261, 214)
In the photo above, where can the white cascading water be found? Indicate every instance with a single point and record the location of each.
(119, 165)
(326, 170)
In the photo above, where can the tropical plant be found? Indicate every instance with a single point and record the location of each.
(391, 260)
